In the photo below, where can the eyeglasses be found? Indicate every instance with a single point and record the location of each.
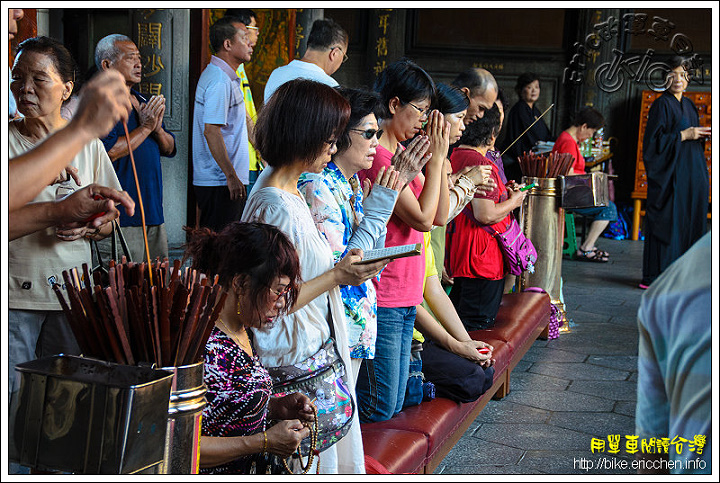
(345, 57)
(253, 31)
(423, 112)
(369, 133)
(280, 293)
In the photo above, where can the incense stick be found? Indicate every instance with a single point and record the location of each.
(140, 202)
(131, 321)
(526, 130)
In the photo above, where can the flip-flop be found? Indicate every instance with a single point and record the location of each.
(601, 253)
(585, 256)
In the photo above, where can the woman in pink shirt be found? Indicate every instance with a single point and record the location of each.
(407, 92)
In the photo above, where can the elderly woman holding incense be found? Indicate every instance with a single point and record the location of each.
(476, 262)
(42, 79)
(259, 268)
(583, 127)
(296, 132)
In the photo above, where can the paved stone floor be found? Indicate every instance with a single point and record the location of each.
(567, 391)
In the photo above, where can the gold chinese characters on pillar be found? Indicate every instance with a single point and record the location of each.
(299, 34)
(149, 42)
(381, 44)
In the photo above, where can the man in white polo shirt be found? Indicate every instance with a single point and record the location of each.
(326, 52)
(220, 140)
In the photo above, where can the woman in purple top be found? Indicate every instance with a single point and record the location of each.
(259, 268)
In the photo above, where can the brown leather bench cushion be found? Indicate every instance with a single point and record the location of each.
(436, 420)
(397, 450)
(432, 423)
(518, 318)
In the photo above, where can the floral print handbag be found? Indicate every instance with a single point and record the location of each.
(323, 378)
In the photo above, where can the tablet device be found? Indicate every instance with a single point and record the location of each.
(399, 251)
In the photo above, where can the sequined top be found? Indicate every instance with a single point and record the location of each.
(238, 393)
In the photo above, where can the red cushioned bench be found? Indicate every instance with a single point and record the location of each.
(417, 439)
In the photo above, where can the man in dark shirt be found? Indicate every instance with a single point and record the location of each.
(148, 139)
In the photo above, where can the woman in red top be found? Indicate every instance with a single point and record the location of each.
(407, 92)
(476, 262)
(586, 122)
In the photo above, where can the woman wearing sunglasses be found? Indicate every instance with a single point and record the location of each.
(350, 216)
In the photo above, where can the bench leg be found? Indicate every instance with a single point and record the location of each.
(504, 388)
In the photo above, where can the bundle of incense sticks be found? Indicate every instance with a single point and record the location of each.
(550, 165)
(133, 321)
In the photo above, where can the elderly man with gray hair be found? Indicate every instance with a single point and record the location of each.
(480, 87)
(148, 140)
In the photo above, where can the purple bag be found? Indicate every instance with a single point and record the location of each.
(518, 250)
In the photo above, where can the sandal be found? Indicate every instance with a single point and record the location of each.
(590, 256)
(601, 253)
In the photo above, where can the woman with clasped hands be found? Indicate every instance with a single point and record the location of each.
(104, 101)
(406, 92)
(42, 78)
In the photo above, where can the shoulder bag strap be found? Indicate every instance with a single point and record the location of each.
(467, 211)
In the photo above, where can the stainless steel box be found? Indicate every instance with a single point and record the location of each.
(86, 416)
(584, 190)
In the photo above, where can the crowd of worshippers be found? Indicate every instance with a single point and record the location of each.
(290, 197)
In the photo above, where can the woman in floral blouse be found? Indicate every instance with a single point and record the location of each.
(350, 216)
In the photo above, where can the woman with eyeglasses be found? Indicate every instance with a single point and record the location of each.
(407, 92)
(259, 267)
(677, 173)
(450, 358)
(296, 132)
(352, 216)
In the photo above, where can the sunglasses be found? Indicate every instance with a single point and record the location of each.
(369, 133)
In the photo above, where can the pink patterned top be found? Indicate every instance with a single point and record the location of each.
(238, 393)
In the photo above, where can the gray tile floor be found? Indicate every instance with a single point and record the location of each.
(567, 391)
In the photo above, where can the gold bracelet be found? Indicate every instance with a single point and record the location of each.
(264, 442)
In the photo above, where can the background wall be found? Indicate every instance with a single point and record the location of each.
(508, 42)
(565, 47)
